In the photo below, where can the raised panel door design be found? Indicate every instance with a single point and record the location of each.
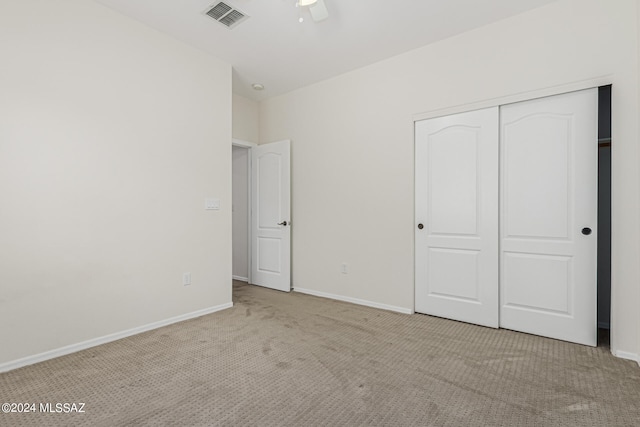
(453, 186)
(457, 206)
(541, 283)
(269, 167)
(269, 250)
(537, 175)
(453, 274)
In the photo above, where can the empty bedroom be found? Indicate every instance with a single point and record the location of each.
(320, 212)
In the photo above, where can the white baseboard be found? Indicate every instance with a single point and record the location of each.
(626, 355)
(51, 354)
(242, 279)
(354, 300)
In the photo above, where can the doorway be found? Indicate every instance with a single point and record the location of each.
(604, 215)
(240, 213)
(261, 214)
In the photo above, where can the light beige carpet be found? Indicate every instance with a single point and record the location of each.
(278, 359)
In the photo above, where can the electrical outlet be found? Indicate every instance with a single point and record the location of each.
(344, 268)
(186, 279)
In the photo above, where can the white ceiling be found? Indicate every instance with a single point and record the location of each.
(273, 48)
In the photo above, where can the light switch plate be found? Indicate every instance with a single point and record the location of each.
(211, 204)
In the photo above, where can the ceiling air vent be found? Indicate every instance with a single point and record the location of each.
(227, 15)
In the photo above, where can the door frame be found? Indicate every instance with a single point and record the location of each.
(510, 99)
(248, 146)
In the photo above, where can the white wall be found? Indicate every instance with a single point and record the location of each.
(352, 145)
(111, 136)
(245, 119)
(240, 213)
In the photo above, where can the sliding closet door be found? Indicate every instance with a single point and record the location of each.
(456, 234)
(549, 161)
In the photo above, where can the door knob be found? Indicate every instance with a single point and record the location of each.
(586, 231)
(420, 226)
(283, 223)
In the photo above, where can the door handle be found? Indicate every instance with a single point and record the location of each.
(420, 226)
(283, 223)
(586, 231)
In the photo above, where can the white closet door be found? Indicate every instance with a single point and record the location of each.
(549, 156)
(456, 235)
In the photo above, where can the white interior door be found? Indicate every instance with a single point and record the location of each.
(549, 156)
(456, 235)
(270, 218)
